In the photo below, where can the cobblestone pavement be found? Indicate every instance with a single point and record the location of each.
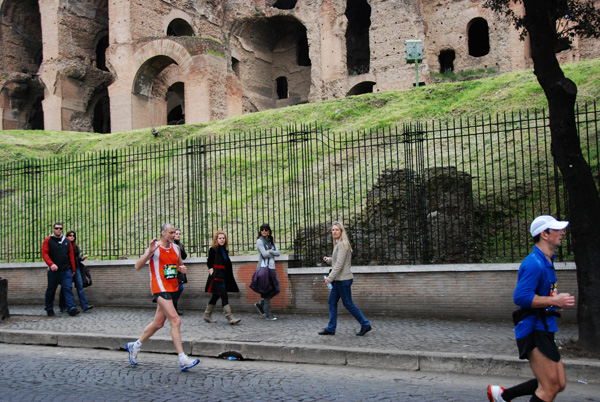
(43, 374)
(389, 333)
(420, 344)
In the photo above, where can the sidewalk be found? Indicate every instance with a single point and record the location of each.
(486, 348)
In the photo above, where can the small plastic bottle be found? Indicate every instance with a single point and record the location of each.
(329, 285)
(232, 358)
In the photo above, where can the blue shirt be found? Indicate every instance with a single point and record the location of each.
(536, 277)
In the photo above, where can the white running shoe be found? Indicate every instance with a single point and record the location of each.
(133, 350)
(187, 362)
(494, 393)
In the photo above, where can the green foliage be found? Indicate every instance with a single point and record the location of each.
(216, 53)
(571, 18)
(499, 93)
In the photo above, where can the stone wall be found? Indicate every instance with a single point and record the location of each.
(79, 56)
(442, 291)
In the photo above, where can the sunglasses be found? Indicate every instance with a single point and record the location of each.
(70, 235)
(58, 228)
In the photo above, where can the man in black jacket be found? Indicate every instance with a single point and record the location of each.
(181, 277)
(58, 254)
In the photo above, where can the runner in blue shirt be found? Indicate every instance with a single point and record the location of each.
(535, 322)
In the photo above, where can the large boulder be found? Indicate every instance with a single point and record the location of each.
(408, 219)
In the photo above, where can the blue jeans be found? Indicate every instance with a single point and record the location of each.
(65, 280)
(79, 286)
(342, 289)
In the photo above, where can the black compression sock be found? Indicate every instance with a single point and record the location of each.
(535, 398)
(525, 388)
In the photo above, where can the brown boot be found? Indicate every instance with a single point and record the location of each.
(227, 311)
(208, 313)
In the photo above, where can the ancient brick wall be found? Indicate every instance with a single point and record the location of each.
(75, 65)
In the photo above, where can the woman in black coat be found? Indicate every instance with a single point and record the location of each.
(220, 278)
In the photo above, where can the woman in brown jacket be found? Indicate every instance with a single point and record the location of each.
(341, 278)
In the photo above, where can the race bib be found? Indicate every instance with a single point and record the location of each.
(554, 289)
(170, 271)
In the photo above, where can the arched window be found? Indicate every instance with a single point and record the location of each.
(285, 4)
(101, 53)
(180, 27)
(479, 37)
(358, 53)
(282, 88)
(235, 66)
(446, 59)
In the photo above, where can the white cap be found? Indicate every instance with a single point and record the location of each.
(544, 222)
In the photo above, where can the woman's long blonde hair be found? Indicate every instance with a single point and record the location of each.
(215, 243)
(344, 237)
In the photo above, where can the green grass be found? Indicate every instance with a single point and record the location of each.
(357, 117)
(495, 94)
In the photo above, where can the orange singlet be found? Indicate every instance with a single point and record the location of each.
(163, 269)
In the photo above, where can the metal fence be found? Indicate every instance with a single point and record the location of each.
(453, 191)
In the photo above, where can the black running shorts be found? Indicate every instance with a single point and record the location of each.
(164, 295)
(542, 340)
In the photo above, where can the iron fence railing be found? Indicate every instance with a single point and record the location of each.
(455, 191)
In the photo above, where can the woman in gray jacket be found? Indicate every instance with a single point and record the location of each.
(341, 278)
(266, 253)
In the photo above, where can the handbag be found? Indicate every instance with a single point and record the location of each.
(253, 282)
(260, 280)
(86, 277)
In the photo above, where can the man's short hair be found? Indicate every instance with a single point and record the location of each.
(165, 226)
(537, 237)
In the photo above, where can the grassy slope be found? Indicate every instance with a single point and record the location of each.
(491, 95)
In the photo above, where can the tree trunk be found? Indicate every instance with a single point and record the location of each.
(584, 199)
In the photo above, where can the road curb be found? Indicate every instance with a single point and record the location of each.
(577, 369)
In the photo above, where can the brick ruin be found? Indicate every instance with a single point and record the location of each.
(116, 65)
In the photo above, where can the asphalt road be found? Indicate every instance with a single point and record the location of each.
(38, 373)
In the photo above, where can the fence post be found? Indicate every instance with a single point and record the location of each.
(414, 162)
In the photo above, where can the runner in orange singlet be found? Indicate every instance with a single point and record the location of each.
(165, 262)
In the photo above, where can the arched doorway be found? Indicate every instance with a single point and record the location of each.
(175, 99)
(284, 42)
(446, 60)
(365, 87)
(21, 91)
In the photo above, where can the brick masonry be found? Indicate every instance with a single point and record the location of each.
(462, 291)
(50, 53)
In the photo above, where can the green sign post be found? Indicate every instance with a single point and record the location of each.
(414, 54)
